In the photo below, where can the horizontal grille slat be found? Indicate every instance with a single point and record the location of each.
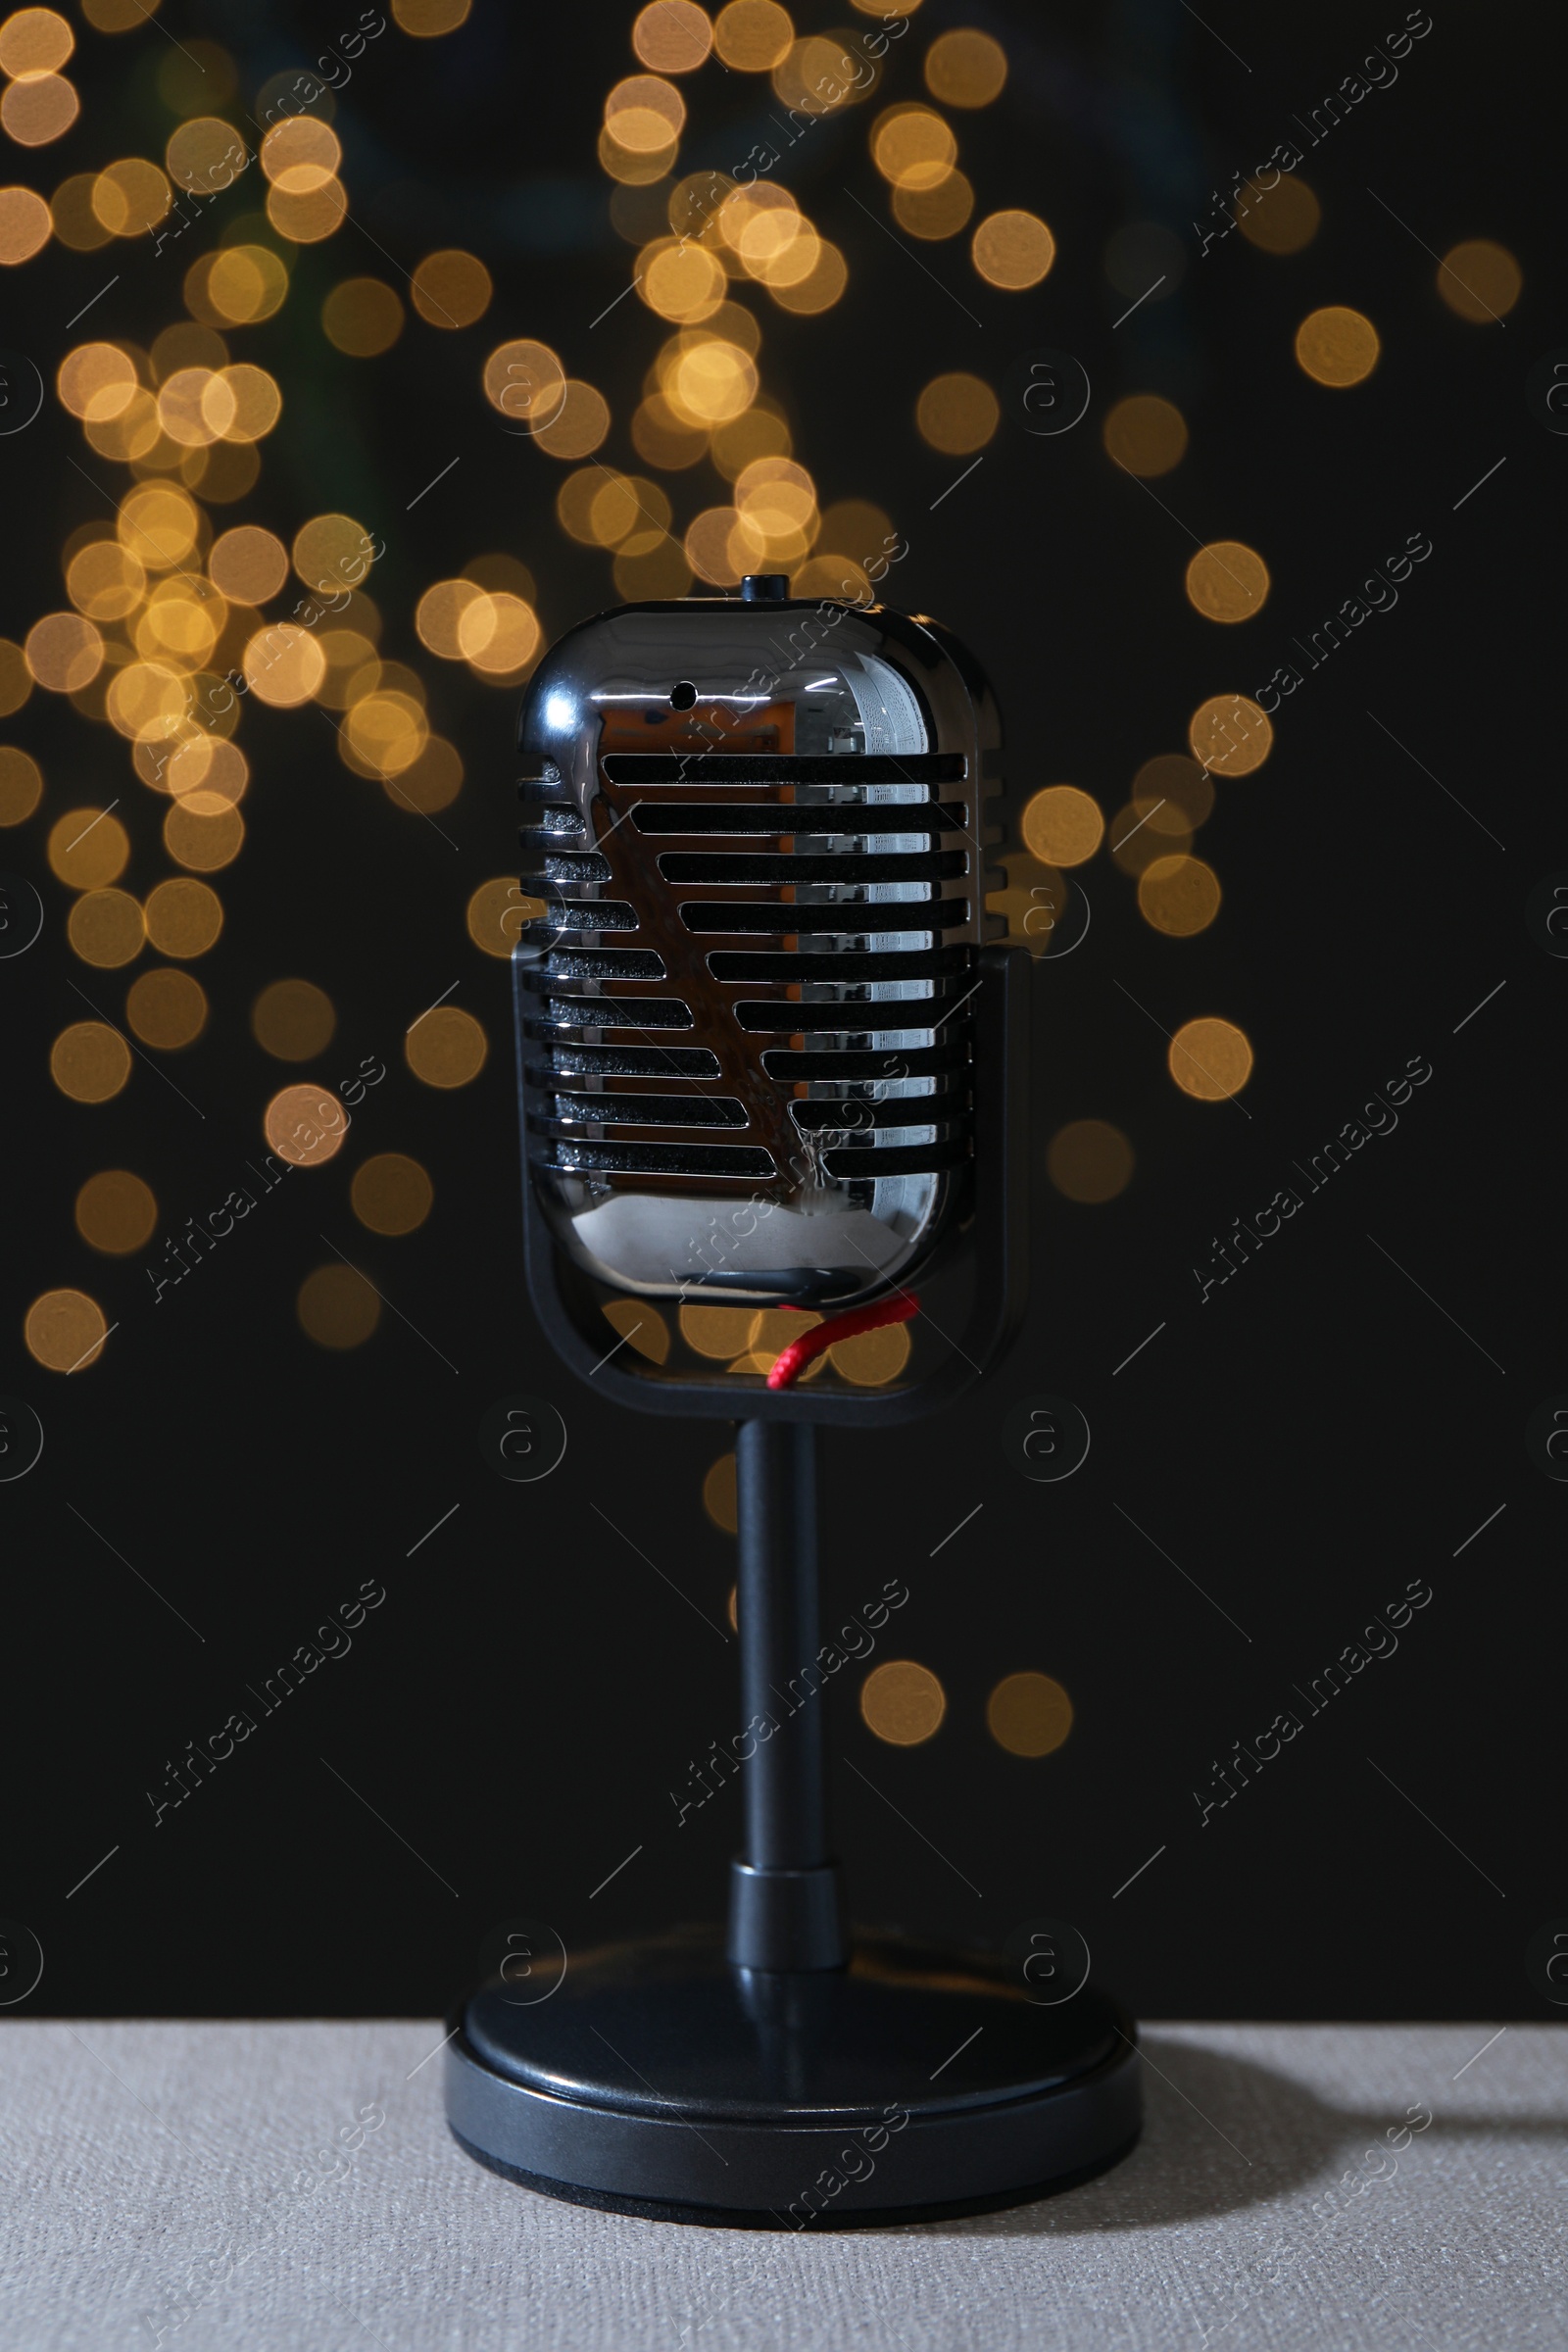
(648, 1111)
(785, 767)
(780, 819)
(851, 969)
(903, 1110)
(857, 917)
(614, 1013)
(912, 1159)
(580, 914)
(622, 1061)
(852, 1065)
(848, 869)
(656, 1159)
(599, 963)
(791, 1015)
(562, 866)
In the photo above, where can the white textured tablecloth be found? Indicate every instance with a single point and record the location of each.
(171, 2183)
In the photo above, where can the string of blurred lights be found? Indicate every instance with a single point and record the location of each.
(171, 620)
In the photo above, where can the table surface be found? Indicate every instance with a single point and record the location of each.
(172, 2182)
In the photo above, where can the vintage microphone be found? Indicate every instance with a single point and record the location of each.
(768, 1057)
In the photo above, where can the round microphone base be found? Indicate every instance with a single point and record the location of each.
(916, 2084)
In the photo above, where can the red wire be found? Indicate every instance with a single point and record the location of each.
(800, 1352)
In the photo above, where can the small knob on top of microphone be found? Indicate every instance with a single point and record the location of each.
(765, 587)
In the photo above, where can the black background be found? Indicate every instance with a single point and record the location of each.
(1307, 1442)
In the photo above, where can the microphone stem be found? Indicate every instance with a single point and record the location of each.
(785, 1913)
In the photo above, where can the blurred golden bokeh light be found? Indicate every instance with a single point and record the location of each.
(446, 1048)
(957, 414)
(391, 1194)
(752, 36)
(1479, 280)
(579, 423)
(131, 197)
(914, 147)
(293, 1020)
(362, 318)
(428, 19)
(1063, 825)
(39, 110)
(183, 918)
(237, 287)
(115, 1212)
(305, 216)
(903, 1702)
(32, 41)
(1012, 250)
(1179, 895)
(1172, 794)
(872, 1358)
(337, 1307)
(644, 114)
(96, 380)
(21, 785)
(451, 288)
(1336, 345)
(1226, 581)
(301, 152)
(935, 212)
(966, 68)
(15, 679)
(305, 1125)
(167, 1008)
(496, 912)
(719, 1494)
(248, 565)
(1089, 1161)
(1029, 1714)
(75, 224)
(1230, 734)
(204, 155)
(66, 1330)
(673, 36)
(331, 551)
(720, 1332)
(89, 1061)
(1210, 1060)
(64, 651)
(1134, 845)
(204, 831)
(88, 849)
(105, 928)
(684, 283)
(105, 581)
(641, 1325)
(1146, 435)
(819, 289)
(1283, 219)
(26, 222)
(283, 664)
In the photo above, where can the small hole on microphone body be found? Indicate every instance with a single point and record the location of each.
(682, 697)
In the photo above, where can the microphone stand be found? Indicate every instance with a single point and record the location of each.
(785, 1907)
(778, 2075)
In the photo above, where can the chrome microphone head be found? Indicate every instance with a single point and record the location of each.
(755, 847)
